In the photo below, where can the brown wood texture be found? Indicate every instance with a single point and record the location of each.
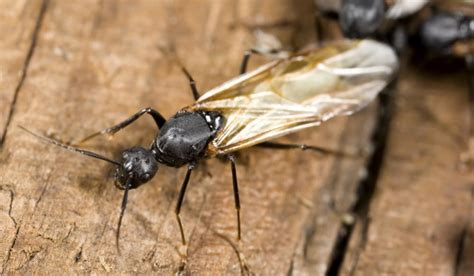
(73, 67)
(68, 68)
(420, 219)
(19, 26)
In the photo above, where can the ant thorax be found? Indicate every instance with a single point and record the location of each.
(185, 136)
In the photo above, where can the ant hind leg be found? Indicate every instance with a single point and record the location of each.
(321, 150)
(235, 186)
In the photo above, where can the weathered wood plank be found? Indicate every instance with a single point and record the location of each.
(96, 62)
(422, 207)
(20, 23)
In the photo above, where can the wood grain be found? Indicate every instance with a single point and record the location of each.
(419, 221)
(20, 24)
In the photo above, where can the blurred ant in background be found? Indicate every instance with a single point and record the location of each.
(436, 30)
(448, 29)
(384, 20)
(446, 34)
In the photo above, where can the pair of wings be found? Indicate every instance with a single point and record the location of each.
(302, 91)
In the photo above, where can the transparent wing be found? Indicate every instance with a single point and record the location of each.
(299, 92)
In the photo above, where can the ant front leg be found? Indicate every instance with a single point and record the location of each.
(159, 120)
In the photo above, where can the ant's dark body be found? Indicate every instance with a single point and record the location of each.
(361, 18)
(448, 33)
(443, 29)
(288, 94)
(383, 20)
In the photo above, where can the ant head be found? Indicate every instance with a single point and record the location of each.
(442, 29)
(361, 18)
(137, 166)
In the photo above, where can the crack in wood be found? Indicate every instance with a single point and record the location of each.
(244, 268)
(10, 207)
(462, 238)
(367, 186)
(290, 268)
(10, 249)
(30, 255)
(24, 69)
(460, 248)
(17, 227)
(43, 191)
(361, 245)
(310, 231)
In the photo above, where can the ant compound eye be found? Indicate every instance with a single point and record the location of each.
(128, 166)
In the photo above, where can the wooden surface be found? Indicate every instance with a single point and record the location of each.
(68, 68)
(420, 219)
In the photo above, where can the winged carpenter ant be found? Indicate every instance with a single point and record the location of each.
(449, 29)
(385, 20)
(278, 98)
(448, 32)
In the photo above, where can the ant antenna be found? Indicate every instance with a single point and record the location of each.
(122, 212)
(70, 148)
(97, 156)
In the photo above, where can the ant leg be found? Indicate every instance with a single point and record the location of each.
(192, 83)
(159, 120)
(171, 52)
(248, 53)
(180, 201)
(274, 145)
(321, 19)
(235, 186)
(122, 212)
(319, 28)
(245, 60)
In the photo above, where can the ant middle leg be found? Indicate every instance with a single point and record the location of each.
(192, 83)
(248, 53)
(245, 60)
(270, 53)
(180, 202)
(157, 117)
